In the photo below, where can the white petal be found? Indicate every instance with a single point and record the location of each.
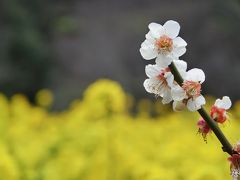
(167, 97)
(181, 66)
(179, 42)
(146, 86)
(150, 37)
(162, 89)
(178, 105)
(195, 104)
(172, 28)
(148, 53)
(225, 103)
(169, 78)
(178, 93)
(147, 44)
(156, 29)
(178, 51)
(163, 61)
(196, 75)
(152, 70)
(200, 100)
(153, 85)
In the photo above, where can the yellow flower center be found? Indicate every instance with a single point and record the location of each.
(164, 44)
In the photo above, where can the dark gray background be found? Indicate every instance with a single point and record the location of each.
(81, 41)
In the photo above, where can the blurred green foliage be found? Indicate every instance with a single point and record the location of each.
(27, 27)
(26, 53)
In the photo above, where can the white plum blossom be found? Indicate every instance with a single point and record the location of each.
(224, 103)
(218, 111)
(163, 43)
(160, 80)
(189, 94)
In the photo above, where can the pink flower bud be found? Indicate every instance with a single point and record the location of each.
(203, 128)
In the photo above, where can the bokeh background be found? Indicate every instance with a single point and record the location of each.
(73, 106)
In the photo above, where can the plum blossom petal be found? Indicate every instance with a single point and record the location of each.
(178, 51)
(151, 85)
(163, 61)
(150, 37)
(156, 29)
(148, 53)
(167, 97)
(147, 50)
(178, 93)
(172, 28)
(195, 104)
(224, 103)
(196, 75)
(169, 78)
(179, 42)
(152, 70)
(181, 66)
(178, 106)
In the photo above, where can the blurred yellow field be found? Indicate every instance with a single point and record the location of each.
(98, 138)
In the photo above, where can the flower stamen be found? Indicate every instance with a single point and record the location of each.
(193, 89)
(164, 44)
(162, 77)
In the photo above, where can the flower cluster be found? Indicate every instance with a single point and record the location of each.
(163, 43)
(218, 113)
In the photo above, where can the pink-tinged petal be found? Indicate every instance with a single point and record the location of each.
(172, 28)
(163, 61)
(224, 103)
(178, 106)
(179, 42)
(178, 51)
(156, 29)
(178, 94)
(196, 75)
(152, 70)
